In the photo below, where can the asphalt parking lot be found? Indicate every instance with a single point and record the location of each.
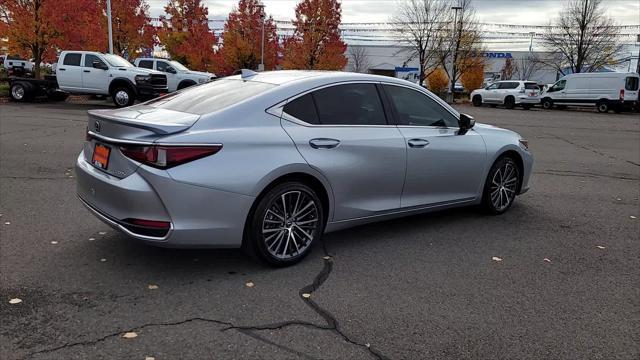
(424, 287)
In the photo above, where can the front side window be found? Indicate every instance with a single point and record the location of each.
(72, 59)
(492, 86)
(558, 86)
(351, 104)
(303, 108)
(90, 58)
(147, 64)
(161, 66)
(631, 83)
(417, 109)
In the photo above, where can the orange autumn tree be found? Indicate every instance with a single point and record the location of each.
(186, 36)
(132, 29)
(438, 81)
(316, 42)
(242, 38)
(78, 25)
(473, 77)
(28, 28)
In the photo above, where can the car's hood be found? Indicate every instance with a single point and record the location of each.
(485, 129)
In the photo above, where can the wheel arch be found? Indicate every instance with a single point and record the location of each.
(185, 83)
(122, 82)
(515, 155)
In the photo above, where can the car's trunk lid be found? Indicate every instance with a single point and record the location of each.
(138, 125)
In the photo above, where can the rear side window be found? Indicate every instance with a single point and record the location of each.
(303, 108)
(147, 64)
(417, 109)
(508, 85)
(72, 59)
(210, 97)
(531, 86)
(631, 83)
(351, 104)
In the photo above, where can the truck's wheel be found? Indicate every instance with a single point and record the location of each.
(603, 106)
(123, 96)
(21, 92)
(547, 103)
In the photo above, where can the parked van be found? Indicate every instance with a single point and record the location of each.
(606, 90)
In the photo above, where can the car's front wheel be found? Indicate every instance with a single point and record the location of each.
(123, 96)
(547, 103)
(284, 225)
(477, 101)
(501, 186)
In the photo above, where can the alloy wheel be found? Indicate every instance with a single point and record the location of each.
(17, 92)
(504, 185)
(290, 224)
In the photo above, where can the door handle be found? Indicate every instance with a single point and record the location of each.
(62, 69)
(418, 143)
(86, 71)
(324, 143)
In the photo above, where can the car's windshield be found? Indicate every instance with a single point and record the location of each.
(176, 65)
(115, 60)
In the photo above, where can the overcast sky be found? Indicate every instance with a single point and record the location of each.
(534, 12)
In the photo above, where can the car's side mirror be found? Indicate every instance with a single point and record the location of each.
(465, 123)
(170, 70)
(99, 65)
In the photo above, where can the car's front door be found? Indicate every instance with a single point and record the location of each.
(443, 167)
(342, 132)
(172, 79)
(491, 93)
(94, 80)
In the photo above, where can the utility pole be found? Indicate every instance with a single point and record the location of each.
(262, 18)
(638, 63)
(109, 26)
(531, 43)
(450, 95)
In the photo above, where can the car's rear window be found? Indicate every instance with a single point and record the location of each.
(210, 97)
(631, 83)
(531, 86)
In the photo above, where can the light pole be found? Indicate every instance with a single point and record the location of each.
(451, 97)
(262, 17)
(109, 26)
(531, 43)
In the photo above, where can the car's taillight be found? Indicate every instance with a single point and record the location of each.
(621, 94)
(168, 156)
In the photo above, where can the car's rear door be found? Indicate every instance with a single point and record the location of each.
(442, 166)
(342, 131)
(69, 72)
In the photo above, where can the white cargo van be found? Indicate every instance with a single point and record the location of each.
(606, 90)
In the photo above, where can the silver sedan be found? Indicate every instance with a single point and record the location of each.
(271, 161)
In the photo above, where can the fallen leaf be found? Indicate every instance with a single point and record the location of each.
(619, 199)
(152, 287)
(633, 217)
(327, 257)
(15, 301)
(91, 239)
(306, 295)
(103, 259)
(7, 223)
(495, 258)
(600, 247)
(130, 335)
(149, 358)
(547, 259)
(54, 243)
(250, 284)
(102, 232)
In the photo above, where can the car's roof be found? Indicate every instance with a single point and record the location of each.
(281, 77)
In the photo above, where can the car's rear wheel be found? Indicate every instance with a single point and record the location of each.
(477, 101)
(284, 225)
(501, 186)
(509, 102)
(603, 106)
(21, 92)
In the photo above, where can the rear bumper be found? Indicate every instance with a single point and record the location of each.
(199, 216)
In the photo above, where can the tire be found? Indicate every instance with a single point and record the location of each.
(526, 107)
(272, 236)
(185, 84)
(547, 104)
(603, 106)
(21, 92)
(477, 101)
(123, 96)
(499, 190)
(509, 102)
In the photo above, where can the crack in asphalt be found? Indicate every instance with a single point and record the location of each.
(582, 174)
(332, 324)
(592, 150)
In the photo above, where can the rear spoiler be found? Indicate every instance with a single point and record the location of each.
(158, 121)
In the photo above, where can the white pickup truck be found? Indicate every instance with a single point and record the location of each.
(87, 72)
(178, 76)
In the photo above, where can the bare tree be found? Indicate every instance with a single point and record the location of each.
(422, 24)
(359, 59)
(526, 66)
(584, 39)
(508, 70)
(464, 49)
